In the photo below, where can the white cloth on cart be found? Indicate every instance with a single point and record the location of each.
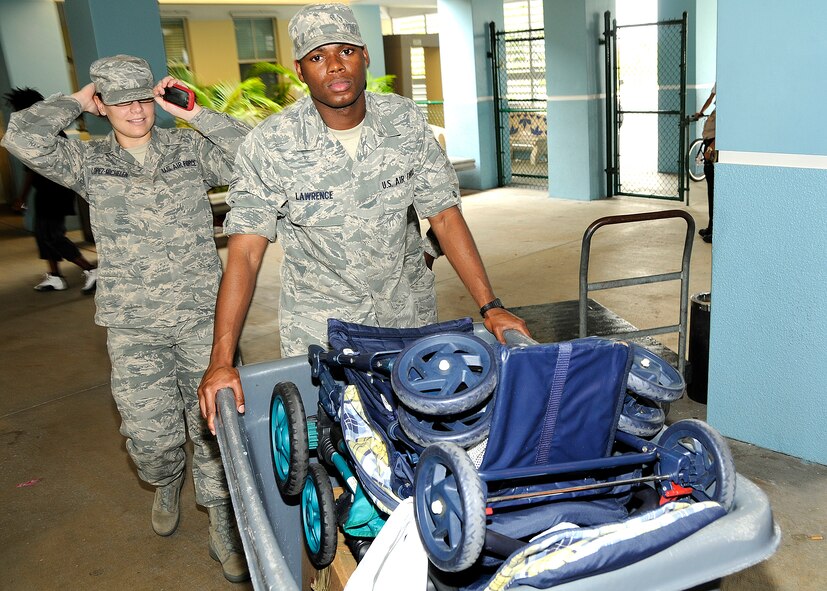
(396, 559)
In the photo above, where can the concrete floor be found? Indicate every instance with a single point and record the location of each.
(74, 515)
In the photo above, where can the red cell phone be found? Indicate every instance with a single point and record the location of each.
(180, 95)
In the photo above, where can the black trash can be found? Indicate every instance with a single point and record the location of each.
(699, 346)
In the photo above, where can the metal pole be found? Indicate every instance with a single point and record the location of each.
(492, 33)
(609, 100)
(684, 142)
(615, 105)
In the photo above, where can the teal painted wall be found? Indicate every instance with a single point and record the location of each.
(31, 48)
(767, 352)
(576, 106)
(370, 25)
(703, 44)
(467, 88)
(701, 62)
(785, 48)
(100, 28)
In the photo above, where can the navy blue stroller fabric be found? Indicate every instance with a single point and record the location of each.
(372, 339)
(557, 402)
(569, 554)
(376, 393)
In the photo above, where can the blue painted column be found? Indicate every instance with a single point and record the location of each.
(31, 55)
(769, 252)
(370, 25)
(32, 47)
(576, 98)
(468, 87)
(700, 77)
(100, 28)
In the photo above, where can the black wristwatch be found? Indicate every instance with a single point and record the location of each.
(495, 303)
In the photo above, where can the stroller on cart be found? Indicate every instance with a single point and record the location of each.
(511, 452)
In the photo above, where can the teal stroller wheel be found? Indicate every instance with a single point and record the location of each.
(449, 507)
(707, 466)
(319, 517)
(445, 373)
(288, 439)
(653, 377)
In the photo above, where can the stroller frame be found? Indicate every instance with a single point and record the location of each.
(451, 494)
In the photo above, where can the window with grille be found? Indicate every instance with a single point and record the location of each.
(175, 41)
(526, 54)
(255, 42)
(520, 15)
(419, 88)
(420, 24)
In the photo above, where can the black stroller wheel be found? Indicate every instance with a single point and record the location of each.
(319, 517)
(641, 417)
(710, 470)
(654, 378)
(465, 430)
(445, 374)
(449, 507)
(289, 446)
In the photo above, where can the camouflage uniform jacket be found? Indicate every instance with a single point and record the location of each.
(157, 261)
(342, 223)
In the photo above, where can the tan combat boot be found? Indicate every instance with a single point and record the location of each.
(225, 544)
(166, 508)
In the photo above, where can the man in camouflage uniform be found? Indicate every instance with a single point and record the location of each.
(333, 177)
(158, 268)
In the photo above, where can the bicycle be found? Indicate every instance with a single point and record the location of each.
(695, 155)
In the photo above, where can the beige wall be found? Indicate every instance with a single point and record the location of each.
(214, 56)
(284, 48)
(398, 62)
(433, 74)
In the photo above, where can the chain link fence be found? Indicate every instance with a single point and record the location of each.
(519, 63)
(650, 62)
(433, 111)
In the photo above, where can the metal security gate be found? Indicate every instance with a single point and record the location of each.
(645, 70)
(518, 62)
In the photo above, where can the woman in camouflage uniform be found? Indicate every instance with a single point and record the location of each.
(158, 269)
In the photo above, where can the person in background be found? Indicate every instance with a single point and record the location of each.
(52, 203)
(710, 157)
(334, 177)
(158, 269)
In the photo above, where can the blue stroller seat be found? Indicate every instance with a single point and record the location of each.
(557, 402)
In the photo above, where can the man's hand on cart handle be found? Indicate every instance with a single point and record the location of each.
(215, 379)
(499, 320)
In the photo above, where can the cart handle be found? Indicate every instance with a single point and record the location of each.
(268, 568)
(515, 337)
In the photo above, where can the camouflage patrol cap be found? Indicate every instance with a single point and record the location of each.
(320, 24)
(122, 78)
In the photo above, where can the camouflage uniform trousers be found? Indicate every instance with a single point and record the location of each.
(155, 377)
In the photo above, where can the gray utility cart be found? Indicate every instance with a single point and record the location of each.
(272, 531)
